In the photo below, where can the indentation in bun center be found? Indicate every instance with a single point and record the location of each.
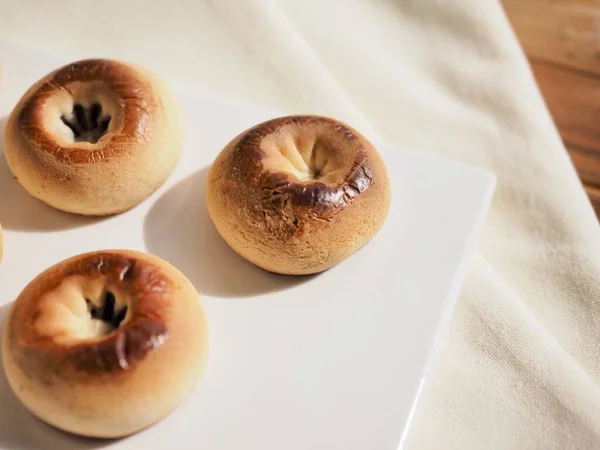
(313, 165)
(82, 308)
(87, 123)
(83, 112)
(309, 153)
(304, 158)
(109, 315)
(97, 313)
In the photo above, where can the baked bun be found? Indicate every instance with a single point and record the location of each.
(95, 137)
(105, 344)
(298, 194)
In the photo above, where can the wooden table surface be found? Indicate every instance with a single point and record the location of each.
(562, 41)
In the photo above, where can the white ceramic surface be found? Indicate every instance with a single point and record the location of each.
(329, 362)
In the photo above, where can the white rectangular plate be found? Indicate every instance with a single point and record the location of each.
(335, 362)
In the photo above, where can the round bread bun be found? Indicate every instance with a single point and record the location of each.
(105, 344)
(297, 194)
(95, 137)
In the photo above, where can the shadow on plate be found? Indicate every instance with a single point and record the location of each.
(20, 211)
(179, 230)
(20, 430)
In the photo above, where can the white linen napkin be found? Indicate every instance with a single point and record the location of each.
(519, 367)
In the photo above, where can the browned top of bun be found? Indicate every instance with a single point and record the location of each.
(42, 339)
(337, 158)
(123, 89)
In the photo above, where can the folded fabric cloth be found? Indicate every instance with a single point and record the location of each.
(519, 366)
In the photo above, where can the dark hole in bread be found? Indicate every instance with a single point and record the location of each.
(87, 124)
(108, 311)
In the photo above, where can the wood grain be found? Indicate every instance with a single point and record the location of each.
(562, 41)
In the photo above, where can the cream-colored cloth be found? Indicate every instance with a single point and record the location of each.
(520, 364)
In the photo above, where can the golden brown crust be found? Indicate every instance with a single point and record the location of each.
(284, 185)
(118, 381)
(95, 137)
(150, 292)
(316, 198)
(137, 105)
